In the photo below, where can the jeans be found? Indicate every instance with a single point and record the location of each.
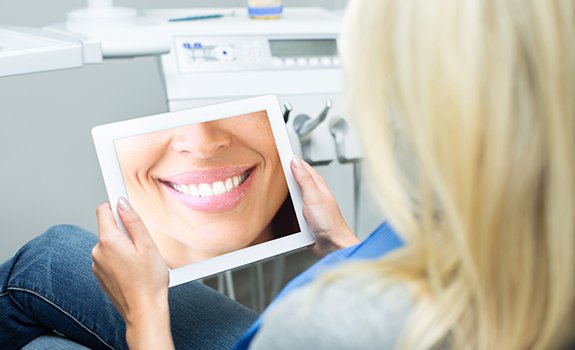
(48, 288)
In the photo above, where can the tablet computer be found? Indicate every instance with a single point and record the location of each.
(212, 184)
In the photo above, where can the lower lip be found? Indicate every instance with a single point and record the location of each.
(219, 203)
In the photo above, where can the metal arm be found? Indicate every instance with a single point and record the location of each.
(338, 128)
(304, 125)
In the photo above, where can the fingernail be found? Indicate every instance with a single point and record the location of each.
(296, 161)
(123, 204)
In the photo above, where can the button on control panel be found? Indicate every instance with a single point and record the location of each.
(204, 54)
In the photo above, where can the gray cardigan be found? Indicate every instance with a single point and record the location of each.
(349, 313)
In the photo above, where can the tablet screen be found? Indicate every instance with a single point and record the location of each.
(209, 188)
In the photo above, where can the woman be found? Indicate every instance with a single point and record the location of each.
(480, 93)
(209, 188)
(467, 113)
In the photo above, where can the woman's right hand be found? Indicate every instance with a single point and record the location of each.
(135, 277)
(321, 211)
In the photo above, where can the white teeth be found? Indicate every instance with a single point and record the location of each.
(229, 184)
(205, 190)
(213, 189)
(193, 190)
(184, 189)
(218, 187)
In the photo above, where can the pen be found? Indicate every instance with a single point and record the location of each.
(195, 18)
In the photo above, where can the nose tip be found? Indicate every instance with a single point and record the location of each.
(202, 140)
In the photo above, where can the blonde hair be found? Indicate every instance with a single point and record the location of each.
(482, 94)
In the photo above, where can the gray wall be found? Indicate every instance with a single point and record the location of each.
(49, 171)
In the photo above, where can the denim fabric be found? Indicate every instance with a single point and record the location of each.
(46, 342)
(49, 286)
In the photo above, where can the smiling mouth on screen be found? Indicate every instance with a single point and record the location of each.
(210, 190)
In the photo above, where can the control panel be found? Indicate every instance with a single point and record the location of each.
(203, 54)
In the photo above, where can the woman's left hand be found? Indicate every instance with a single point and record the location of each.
(134, 275)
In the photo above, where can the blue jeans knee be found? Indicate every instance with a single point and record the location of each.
(56, 249)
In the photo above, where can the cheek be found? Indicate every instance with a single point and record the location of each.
(280, 187)
(264, 145)
(136, 169)
(138, 154)
(277, 185)
(137, 164)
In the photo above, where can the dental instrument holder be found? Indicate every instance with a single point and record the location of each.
(304, 126)
(338, 129)
(114, 32)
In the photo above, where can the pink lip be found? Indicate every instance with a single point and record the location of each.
(205, 175)
(218, 203)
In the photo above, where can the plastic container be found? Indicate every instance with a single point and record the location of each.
(265, 9)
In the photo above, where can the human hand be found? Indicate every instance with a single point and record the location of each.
(321, 211)
(134, 275)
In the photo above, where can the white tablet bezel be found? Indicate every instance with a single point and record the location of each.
(105, 135)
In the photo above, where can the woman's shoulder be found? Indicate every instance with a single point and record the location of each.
(348, 312)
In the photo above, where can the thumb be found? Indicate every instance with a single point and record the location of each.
(132, 221)
(304, 178)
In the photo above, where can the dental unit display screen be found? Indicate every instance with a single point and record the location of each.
(303, 48)
(209, 188)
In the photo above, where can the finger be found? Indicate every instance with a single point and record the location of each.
(304, 178)
(132, 222)
(106, 221)
(319, 180)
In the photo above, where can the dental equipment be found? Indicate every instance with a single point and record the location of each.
(338, 129)
(28, 50)
(195, 18)
(304, 125)
(122, 32)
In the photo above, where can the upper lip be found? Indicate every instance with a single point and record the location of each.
(199, 176)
